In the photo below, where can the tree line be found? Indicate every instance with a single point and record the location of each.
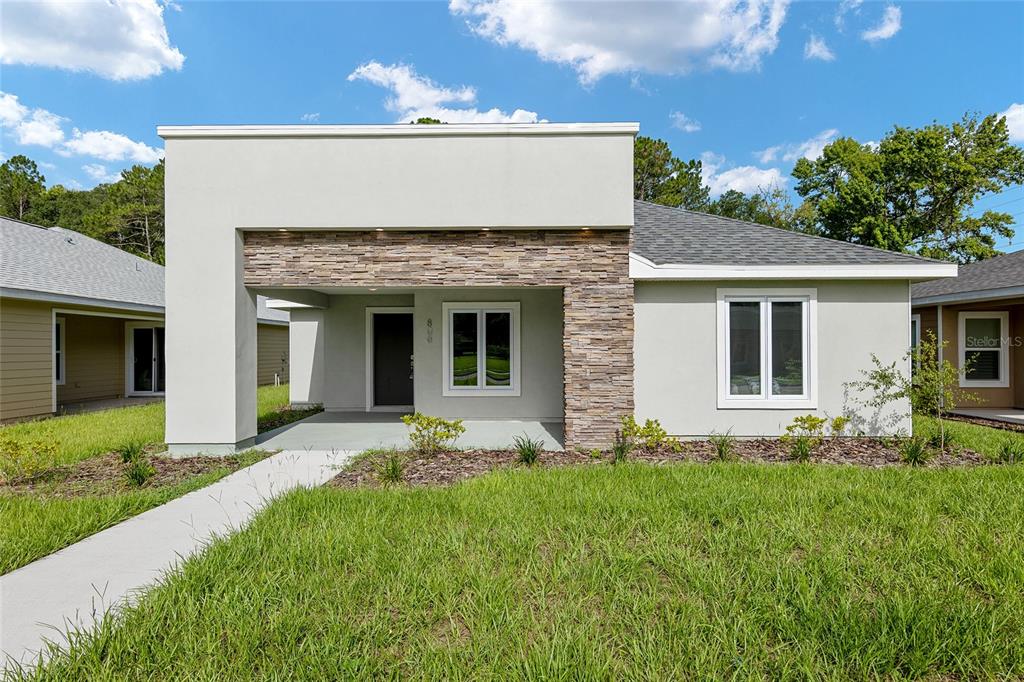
(911, 192)
(127, 213)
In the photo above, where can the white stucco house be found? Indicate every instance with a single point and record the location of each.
(501, 272)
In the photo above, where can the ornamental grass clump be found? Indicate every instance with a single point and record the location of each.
(724, 445)
(528, 448)
(389, 467)
(1010, 452)
(139, 470)
(621, 447)
(915, 451)
(430, 435)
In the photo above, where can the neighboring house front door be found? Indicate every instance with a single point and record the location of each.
(145, 370)
(392, 360)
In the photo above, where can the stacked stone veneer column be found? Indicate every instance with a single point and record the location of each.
(591, 267)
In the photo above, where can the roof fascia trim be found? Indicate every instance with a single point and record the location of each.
(641, 268)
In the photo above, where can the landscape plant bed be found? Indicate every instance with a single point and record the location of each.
(285, 415)
(445, 468)
(104, 475)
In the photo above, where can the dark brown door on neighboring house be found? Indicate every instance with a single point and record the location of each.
(392, 359)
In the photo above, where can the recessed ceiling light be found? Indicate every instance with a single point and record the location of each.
(486, 229)
(380, 229)
(281, 229)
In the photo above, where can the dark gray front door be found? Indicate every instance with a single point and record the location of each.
(392, 359)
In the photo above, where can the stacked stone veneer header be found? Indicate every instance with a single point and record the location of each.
(591, 267)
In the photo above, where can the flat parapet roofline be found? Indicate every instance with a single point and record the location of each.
(397, 130)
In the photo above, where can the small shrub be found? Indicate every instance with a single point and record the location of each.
(390, 467)
(24, 459)
(529, 449)
(595, 454)
(1010, 452)
(131, 451)
(621, 447)
(650, 436)
(138, 470)
(431, 435)
(915, 451)
(804, 435)
(724, 445)
(838, 425)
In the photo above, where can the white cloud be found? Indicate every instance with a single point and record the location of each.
(746, 179)
(1015, 122)
(99, 173)
(684, 122)
(311, 118)
(29, 126)
(414, 96)
(108, 146)
(601, 38)
(119, 39)
(846, 6)
(887, 28)
(817, 48)
(808, 149)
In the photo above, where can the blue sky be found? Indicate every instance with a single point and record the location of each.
(749, 87)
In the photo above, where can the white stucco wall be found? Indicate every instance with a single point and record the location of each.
(306, 366)
(541, 379)
(675, 357)
(219, 182)
(344, 343)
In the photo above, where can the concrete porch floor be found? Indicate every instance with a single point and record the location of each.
(106, 404)
(363, 430)
(999, 414)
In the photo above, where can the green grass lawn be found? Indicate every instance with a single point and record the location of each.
(80, 436)
(984, 440)
(33, 526)
(631, 571)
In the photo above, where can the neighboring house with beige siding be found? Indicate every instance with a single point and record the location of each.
(980, 317)
(82, 321)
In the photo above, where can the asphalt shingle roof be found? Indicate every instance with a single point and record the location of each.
(1000, 272)
(63, 262)
(53, 260)
(674, 236)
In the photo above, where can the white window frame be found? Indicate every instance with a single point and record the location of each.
(1004, 354)
(915, 347)
(809, 399)
(60, 365)
(449, 389)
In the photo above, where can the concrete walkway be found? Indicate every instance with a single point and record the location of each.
(77, 585)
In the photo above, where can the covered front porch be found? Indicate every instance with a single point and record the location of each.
(365, 430)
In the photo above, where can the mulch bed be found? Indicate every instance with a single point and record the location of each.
(284, 416)
(104, 475)
(450, 467)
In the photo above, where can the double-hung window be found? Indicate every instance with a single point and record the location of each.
(766, 348)
(983, 349)
(481, 349)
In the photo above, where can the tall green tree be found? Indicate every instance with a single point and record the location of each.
(132, 216)
(767, 207)
(21, 184)
(660, 177)
(914, 191)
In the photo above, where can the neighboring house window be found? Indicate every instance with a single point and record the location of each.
(766, 349)
(58, 351)
(983, 351)
(481, 349)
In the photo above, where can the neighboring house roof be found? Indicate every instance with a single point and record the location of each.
(998, 277)
(704, 246)
(55, 264)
